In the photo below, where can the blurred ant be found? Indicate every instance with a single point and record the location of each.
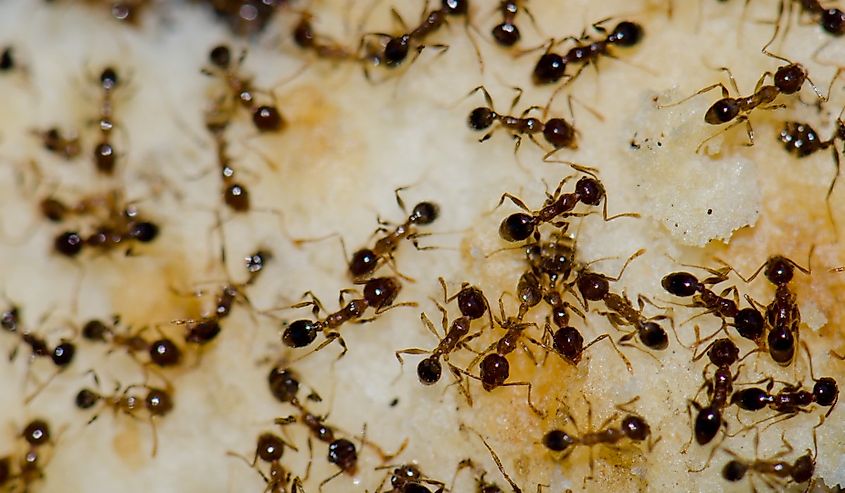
(408, 478)
(105, 155)
(246, 18)
(588, 190)
(773, 472)
(783, 315)
(270, 448)
(7, 59)
(558, 132)
(709, 419)
(379, 294)
(53, 140)
(553, 258)
(787, 79)
(321, 45)
(162, 352)
(240, 90)
(832, 20)
(596, 287)
(157, 402)
(365, 261)
(633, 427)
(37, 435)
(551, 67)
(507, 34)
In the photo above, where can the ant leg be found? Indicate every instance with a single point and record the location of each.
(740, 120)
(616, 216)
(625, 265)
(519, 203)
(531, 405)
(398, 19)
(516, 99)
(725, 93)
(615, 348)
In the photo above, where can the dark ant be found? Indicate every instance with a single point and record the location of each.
(782, 315)
(246, 18)
(7, 60)
(53, 140)
(787, 79)
(270, 448)
(379, 294)
(408, 478)
(396, 48)
(157, 402)
(832, 20)
(632, 427)
(551, 67)
(507, 33)
(365, 261)
(105, 155)
(323, 47)
(557, 131)
(37, 435)
(520, 226)
(553, 258)
(722, 353)
(266, 118)
(774, 473)
(596, 287)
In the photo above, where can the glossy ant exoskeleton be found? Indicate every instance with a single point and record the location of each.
(240, 90)
(246, 18)
(774, 473)
(408, 478)
(551, 67)
(507, 33)
(521, 225)
(270, 448)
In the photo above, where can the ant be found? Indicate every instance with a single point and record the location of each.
(162, 352)
(632, 426)
(365, 261)
(324, 47)
(722, 353)
(588, 190)
(235, 194)
(265, 118)
(557, 131)
(553, 258)
(551, 67)
(832, 20)
(7, 59)
(157, 403)
(36, 434)
(408, 478)
(507, 33)
(379, 294)
(396, 49)
(270, 448)
(53, 140)
(787, 79)
(596, 287)
(782, 315)
(775, 473)
(105, 155)
(246, 18)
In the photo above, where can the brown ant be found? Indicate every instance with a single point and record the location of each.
(782, 315)
(162, 352)
(323, 47)
(787, 79)
(270, 448)
(774, 473)
(379, 294)
(832, 20)
(408, 478)
(53, 140)
(588, 190)
(365, 261)
(37, 435)
(105, 155)
(507, 33)
(551, 67)
(240, 90)
(633, 427)
(558, 132)
(157, 402)
(596, 287)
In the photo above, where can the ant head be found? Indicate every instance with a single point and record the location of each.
(558, 440)
(283, 384)
(220, 56)
(343, 454)
(270, 447)
(517, 227)
(68, 243)
(593, 286)
(95, 330)
(589, 190)
(749, 323)
(303, 33)
(833, 21)
(734, 470)
(363, 262)
(722, 111)
(635, 428)
(300, 333)
(790, 78)
(559, 133)
(396, 50)
(37, 432)
(653, 336)
(471, 302)
(803, 468)
(506, 34)
(63, 354)
(681, 284)
(455, 7)
(779, 270)
(404, 473)
(569, 343)
(481, 118)
(108, 78)
(87, 398)
(267, 119)
(626, 33)
(550, 68)
(826, 391)
(203, 331)
(424, 213)
(495, 369)
(723, 352)
(381, 292)
(158, 402)
(429, 370)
